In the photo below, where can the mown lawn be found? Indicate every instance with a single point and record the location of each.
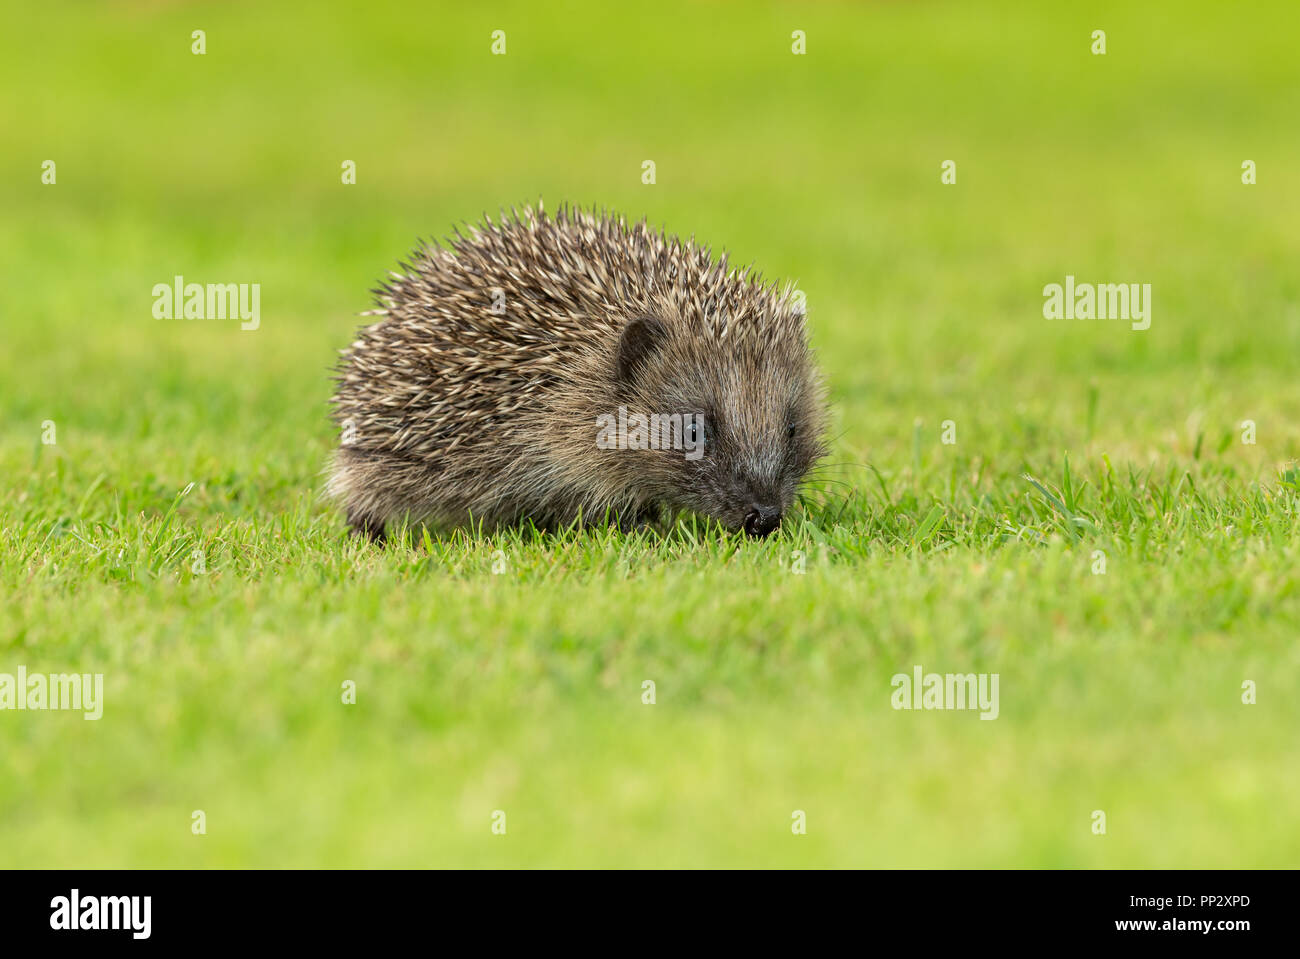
(174, 536)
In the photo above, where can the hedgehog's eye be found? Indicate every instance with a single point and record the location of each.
(693, 436)
(790, 431)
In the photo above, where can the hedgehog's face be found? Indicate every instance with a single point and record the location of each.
(751, 422)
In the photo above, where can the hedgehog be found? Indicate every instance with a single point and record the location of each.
(575, 369)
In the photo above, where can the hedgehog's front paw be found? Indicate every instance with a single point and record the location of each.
(365, 524)
(639, 521)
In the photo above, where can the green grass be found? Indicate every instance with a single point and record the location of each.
(521, 689)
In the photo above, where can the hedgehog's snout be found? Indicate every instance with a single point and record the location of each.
(762, 520)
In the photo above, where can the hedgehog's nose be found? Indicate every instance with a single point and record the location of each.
(761, 520)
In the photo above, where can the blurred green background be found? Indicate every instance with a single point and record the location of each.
(521, 691)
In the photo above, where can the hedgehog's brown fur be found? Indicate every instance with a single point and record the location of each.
(452, 413)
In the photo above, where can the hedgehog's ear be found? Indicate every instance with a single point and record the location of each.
(641, 339)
